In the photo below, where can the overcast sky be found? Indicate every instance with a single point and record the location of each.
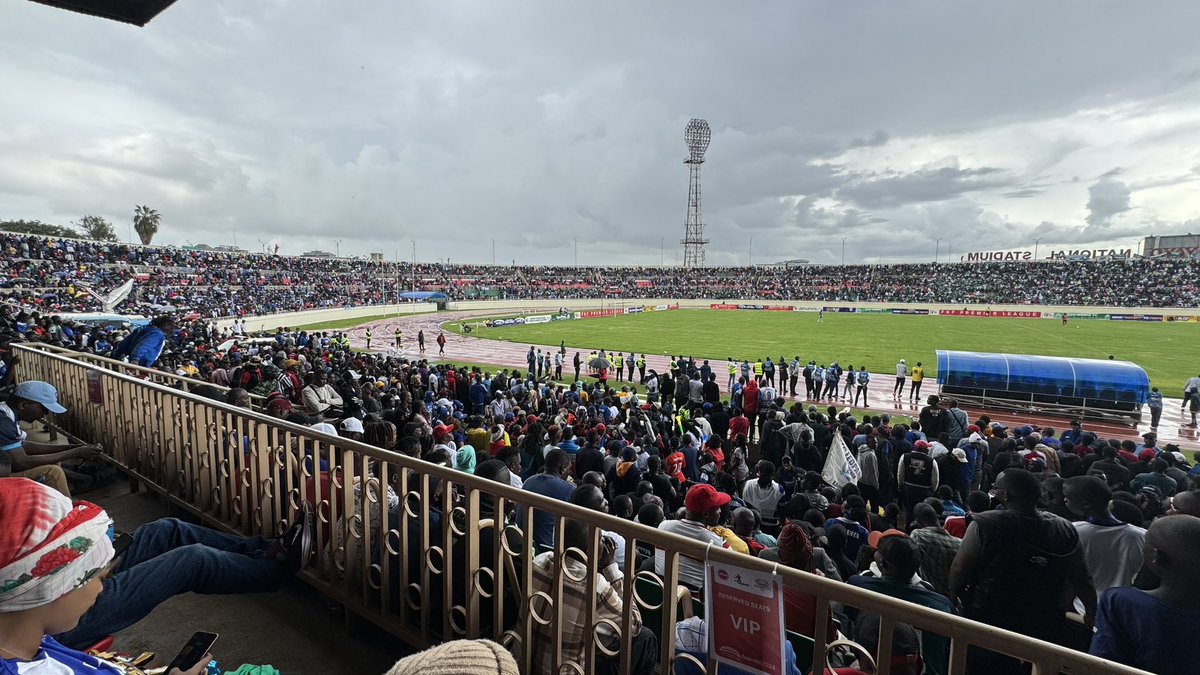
(538, 123)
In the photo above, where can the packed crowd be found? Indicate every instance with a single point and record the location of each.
(1009, 526)
(55, 275)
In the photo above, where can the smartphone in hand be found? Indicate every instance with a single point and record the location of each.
(196, 648)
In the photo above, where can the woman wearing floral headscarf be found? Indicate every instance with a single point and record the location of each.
(53, 556)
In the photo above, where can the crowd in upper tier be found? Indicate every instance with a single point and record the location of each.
(64, 275)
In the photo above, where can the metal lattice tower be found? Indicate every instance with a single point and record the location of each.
(696, 135)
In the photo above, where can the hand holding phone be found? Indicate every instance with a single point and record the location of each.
(193, 658)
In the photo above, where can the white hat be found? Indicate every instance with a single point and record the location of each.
(324, 428)
(353, 425)
(975, 438)
(901, 360)
(959, 454)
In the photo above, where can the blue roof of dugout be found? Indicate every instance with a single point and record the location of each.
(425, 296)
(1053, 375)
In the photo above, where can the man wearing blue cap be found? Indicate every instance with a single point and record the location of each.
(22, 458)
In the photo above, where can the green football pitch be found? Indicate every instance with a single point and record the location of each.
(1169, 352)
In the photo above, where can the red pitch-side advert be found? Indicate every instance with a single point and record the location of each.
(988, 312)
(745, 618)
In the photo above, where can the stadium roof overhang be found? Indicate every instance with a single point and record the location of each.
(136, 12)
(427, 296)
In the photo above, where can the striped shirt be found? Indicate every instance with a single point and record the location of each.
(609, 588)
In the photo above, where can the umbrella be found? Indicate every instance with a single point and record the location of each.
(598, 362)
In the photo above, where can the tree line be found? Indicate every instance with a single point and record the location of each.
(145, 222)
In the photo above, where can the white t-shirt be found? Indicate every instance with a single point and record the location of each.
(765, 499)
(1113, 554)
(691, 571)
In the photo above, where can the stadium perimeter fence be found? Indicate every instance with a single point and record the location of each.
(427, 579)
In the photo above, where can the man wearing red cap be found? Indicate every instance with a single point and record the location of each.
(702, 507)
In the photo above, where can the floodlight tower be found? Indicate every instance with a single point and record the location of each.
(696, 135)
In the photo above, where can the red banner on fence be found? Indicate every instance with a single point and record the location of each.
(745, 618)
(990, 313)
(597, 313)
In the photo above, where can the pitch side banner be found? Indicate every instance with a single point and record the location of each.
(634, 310)
(537, 318)
(842, 310)
(597, 313)
(1000, 314)
(1135, 317)
(916, 312)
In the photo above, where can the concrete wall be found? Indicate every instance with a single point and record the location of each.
(509, 305)
(272, 321)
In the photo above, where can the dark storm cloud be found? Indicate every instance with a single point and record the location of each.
(893, 189)
(541, 123)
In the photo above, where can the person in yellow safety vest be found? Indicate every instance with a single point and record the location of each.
(641, 366)
(733, 369)
(918, 375)
(399, 336)
(758, 369)
(368, 338)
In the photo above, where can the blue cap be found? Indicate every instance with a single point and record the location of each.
(40, 392)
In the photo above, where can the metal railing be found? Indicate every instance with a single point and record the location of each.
(429, 553)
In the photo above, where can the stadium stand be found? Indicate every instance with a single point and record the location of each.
(960, 516)
(53, 275)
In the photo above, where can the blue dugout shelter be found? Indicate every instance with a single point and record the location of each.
(1071, 385)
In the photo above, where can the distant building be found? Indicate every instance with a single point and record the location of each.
(376, 257)
(786, 263)
(224, 248)
(317, 254)
(1172, 246)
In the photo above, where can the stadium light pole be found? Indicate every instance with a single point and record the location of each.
(576, 252)
(937, 248)
(949, 252)
(843, 251)
(414, 266)
(750, 256)
(337, 247)
(493, 253)
(1035, 247)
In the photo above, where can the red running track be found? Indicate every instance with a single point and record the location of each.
(471, 349)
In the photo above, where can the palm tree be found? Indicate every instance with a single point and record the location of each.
(145, 222)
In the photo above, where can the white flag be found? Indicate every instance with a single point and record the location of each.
(841, 467)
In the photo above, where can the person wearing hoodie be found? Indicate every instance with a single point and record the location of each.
(750, 407)
(623, 477)
(143, 346)
(1013, 567)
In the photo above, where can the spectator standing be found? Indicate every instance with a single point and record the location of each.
(901, 376)
(1153, 630)
(1013, 567)
(916, 476)
(1112, 549)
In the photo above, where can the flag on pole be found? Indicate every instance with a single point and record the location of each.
(841, 467)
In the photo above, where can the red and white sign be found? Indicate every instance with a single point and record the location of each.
(745, 618)
(597, 313)
(993, 314)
